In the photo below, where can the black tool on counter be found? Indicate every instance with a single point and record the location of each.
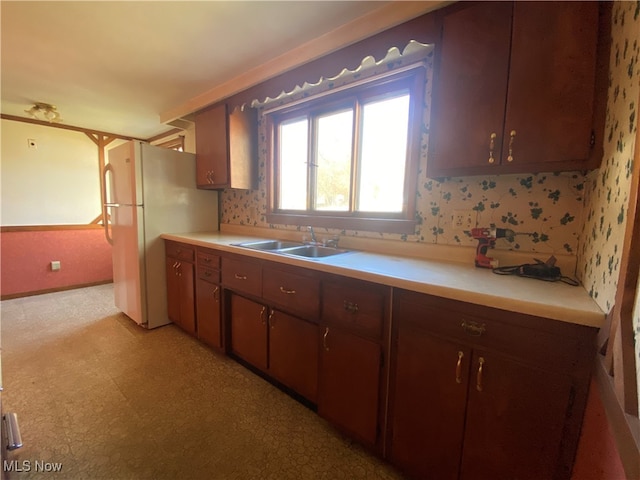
(540, 270)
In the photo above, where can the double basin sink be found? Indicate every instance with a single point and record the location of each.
(296, 249)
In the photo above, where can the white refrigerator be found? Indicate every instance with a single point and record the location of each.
(150, 190)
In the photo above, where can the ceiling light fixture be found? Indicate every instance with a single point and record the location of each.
(44, 111)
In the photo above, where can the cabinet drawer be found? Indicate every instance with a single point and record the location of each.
(537, 341)
(242, 276)
(208, 258)
(209, 274)
(358, 306)
(293, 292)
(180, 251)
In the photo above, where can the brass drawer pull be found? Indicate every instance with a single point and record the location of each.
(479, 377)
(350, 307)
(324, 339)
(511, 140)
(207, 273)
(492, 144)
(239, 277)
(473, 328)
(459, 368)
(270, 319)
(287, 291)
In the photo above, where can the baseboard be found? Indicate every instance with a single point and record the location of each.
(624, 427)
(53, 290)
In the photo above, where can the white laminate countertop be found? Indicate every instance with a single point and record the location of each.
(456, 281)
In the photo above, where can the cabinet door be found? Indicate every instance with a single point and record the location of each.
(249, 331)
(428, 396)
(472, 87)
(173, 290)
(551, 82)
(515, 419)
(186, 280)
(208, 313)
(349, 383)
(293, 353)
(212, 147)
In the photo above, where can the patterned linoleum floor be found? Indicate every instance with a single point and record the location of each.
(100, 398)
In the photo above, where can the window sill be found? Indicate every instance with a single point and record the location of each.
(382, 225)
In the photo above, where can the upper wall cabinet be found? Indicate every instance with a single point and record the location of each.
(226, 154)
(515, 89)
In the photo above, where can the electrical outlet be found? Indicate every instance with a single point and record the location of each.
(464, 220)
(55, 265)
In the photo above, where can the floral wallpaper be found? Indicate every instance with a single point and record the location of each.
(569, 212)
(607, 189)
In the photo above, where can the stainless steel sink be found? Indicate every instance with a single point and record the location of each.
(270, 244)
(297, 249)
(313, 251)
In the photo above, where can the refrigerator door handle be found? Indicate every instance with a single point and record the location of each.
(105, 213)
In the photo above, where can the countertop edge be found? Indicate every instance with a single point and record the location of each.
(589, 316)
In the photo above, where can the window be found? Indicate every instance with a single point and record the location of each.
(348, 159)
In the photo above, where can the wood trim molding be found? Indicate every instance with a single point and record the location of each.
(67, 127)
(48, 228)
(385, 17)
(52, 290)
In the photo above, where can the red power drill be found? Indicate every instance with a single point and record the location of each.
(487, 239)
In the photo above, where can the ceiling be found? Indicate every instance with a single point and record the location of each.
(116, 66)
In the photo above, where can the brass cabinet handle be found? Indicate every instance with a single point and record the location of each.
(479, 376)
(513, 136)
(216, 294)
(207, 259)
(459, 368)
(324, 339)
(350, 307)
(262, 312)
(287, 291)
(492, 144)
(473, 328)
(270, 319)
(207, 273)
(179, 269)
(210, 176)
(240, 277)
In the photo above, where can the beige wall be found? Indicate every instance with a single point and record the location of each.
(56, 183)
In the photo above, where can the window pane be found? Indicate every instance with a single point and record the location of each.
(293, 165)
(334, 134)
(383, 155)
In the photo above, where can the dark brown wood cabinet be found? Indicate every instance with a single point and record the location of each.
(515, 89)
(441, 388)
(208, 298)
(354, 320)
(226, 148)
(482, 393)
(248, 322)
(180, 274)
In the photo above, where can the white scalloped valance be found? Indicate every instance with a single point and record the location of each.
(413, 54)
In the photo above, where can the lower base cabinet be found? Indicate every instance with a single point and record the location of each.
(474, 397)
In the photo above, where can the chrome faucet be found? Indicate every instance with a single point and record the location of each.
(314, 240)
